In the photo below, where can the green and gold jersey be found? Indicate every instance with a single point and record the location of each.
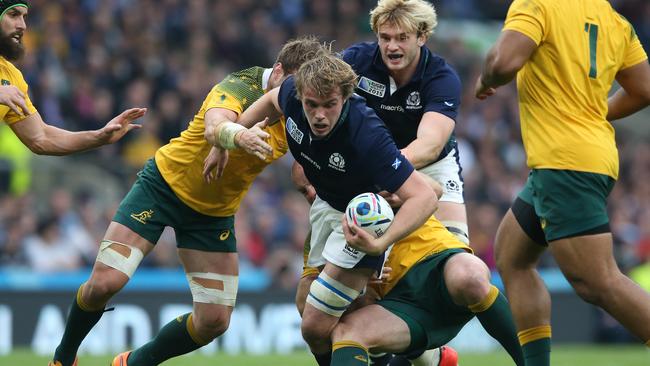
(563, 88)
(181, 161)
(10, 75)
(431, 238)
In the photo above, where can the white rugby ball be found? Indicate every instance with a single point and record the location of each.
(371, 212)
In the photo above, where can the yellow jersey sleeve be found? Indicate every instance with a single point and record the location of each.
(527, 17)
(10, 75)
(634, 53)
(219, 98)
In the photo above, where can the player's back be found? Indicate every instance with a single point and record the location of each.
(563, 88)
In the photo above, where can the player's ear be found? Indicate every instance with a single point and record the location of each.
(421, 40)
(278, 70)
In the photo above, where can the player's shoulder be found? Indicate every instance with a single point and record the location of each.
(360, 53)
(9, 73)
(363, 119)
(250, 78)
(437, 69)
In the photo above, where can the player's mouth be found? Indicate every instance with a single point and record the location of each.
(320, 128)
(17, 37)
(395, 58)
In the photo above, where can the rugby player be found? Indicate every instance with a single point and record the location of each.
(566, 55)
(170, 191)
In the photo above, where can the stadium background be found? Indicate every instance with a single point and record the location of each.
(86, 60)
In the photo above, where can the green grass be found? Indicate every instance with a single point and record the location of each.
(562, 356)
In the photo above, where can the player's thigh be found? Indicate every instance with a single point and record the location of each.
(467, 278)
(213, 279)
(514, 248)
(303, 290)
(374, 327)
(586, 259)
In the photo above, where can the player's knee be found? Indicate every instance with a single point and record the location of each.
(102, 285)
(212, 324)
(592, 290)
(468, 279)
(313, 330)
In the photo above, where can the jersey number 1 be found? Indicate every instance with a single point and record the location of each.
(592, 29)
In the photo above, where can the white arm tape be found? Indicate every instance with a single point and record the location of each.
(226, 132)
(114, 259)
(202, 294)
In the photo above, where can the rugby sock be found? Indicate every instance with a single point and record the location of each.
(323, 360)
(381, 359)
(176, 338)
(81, 320)
(494, 314)
(536, 344)
(348, 353)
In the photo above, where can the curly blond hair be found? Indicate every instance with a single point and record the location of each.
(325, 74)
(416, 16)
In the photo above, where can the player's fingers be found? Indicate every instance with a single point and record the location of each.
(14, 108)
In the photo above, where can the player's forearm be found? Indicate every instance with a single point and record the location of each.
(413, 213)
(622, 104)
(262, 108)
(422, 153)
(56, 141)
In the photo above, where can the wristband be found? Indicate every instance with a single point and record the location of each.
(226, 133)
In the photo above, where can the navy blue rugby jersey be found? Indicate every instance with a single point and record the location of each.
(435, 87)
(358, 155)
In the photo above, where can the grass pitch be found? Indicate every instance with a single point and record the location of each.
(592, 355)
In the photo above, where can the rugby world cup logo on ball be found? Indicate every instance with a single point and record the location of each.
(371, 212)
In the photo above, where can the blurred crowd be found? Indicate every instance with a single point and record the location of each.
(87, 60)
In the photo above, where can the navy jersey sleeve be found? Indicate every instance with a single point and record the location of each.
(286, 94)
(386, 165)
(442, 93)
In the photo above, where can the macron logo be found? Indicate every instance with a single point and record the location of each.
(396, 163)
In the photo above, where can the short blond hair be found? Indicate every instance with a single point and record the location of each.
(325, 74)
(417, 16)
(296, 51)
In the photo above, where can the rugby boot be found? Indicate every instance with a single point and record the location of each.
(448, 356)
(120, 360)
(58, 363)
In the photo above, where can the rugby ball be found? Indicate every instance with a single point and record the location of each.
(371, 212)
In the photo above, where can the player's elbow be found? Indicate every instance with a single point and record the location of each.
(38, 146)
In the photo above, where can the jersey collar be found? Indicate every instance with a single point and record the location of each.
(266, 75)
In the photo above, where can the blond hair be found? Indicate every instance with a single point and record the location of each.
(296, 51)
(326, 74)
(417, 16)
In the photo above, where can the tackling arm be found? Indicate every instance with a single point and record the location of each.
(433, 133)
(265, 107)
(634, 93)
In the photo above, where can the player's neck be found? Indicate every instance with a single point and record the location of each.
(403, 76)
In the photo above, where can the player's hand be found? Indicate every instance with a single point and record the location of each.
(482, 91)
(116, 128)
(13, 98)
(255, 140)
(380, 278)
(361, 240)
(393, 200)
(214, 164)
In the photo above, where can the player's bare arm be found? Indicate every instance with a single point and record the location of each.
(634, 93)
(44, 139)
(419, 203)
(511, 51)
(13, 98)
(433, 133)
